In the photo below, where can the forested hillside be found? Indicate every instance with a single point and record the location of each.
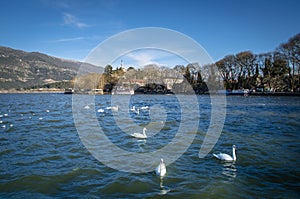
(19, 69)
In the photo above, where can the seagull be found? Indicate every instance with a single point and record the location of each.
(161, 169)
(140, 135)
(226, 157)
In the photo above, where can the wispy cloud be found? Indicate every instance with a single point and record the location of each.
(63, 40)
(142, 58)
(153, 56)
(71, 20)
(76, 39)
(69, 39)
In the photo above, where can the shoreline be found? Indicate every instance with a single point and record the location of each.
(32, 91)
(276, 94)
(62, 91)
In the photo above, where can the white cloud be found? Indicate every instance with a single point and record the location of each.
(69, 39)
(71, 20)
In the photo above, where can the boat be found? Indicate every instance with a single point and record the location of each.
(122, 91)
(97, 91)
(239, 92)
(244, 92)
(69, 91)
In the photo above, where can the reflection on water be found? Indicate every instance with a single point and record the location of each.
(229, 170)
(141, 144)
(164, 191)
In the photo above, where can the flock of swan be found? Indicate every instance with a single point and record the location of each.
(161, 169)
(117, 108)
(113, 108)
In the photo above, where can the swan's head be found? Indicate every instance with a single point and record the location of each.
(162, 160)
(233, 146)
(144, 131)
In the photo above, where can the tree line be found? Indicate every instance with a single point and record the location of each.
(277, 71)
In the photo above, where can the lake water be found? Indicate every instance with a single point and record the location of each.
(42, 155)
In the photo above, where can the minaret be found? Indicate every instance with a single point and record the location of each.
(122, 65)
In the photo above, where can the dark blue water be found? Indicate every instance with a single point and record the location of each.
(42, 155)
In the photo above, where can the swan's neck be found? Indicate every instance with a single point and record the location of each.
(144, 132)
(233, 154)
(161, 166)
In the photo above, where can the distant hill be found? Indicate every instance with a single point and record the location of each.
(20, 69)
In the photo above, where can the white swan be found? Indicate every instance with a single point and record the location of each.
(140, 135)
(145, 107)
(226, 157)
(161, 169)
(113, 108)
(137, 111)
(100, 110)
(132, 109)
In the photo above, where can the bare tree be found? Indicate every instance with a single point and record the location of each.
(291, 51)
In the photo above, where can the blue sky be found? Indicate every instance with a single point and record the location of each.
(70, 29)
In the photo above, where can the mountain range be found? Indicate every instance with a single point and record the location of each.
(23, 70)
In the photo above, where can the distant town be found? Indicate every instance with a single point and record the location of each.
(273, 73)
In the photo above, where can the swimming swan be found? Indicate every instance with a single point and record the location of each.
(137, 111)
(226, 157)
(161, 169)
(145, 108)
(132, 109)
(140, 135)
(100, 110)
(113, 108)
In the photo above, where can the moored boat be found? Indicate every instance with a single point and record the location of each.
(69, 91)
(122, 91)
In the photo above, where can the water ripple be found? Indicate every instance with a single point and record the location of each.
(42, 155)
